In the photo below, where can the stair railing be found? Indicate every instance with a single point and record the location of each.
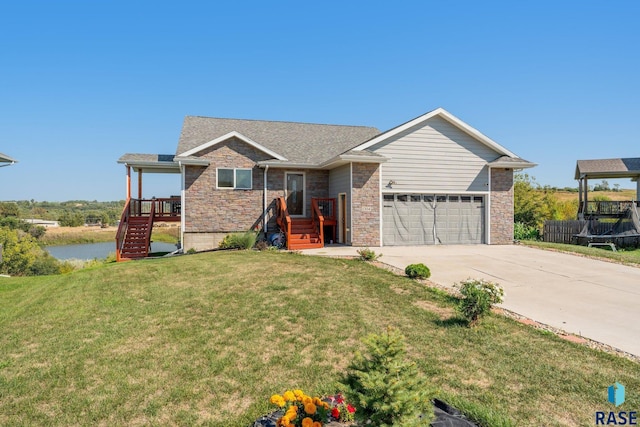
(282, 218)
(152, 211)
(317, 219)
(122, 228)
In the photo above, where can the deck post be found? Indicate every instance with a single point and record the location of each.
(637, 189)
(581, 204)
(140, 184)
(128, 182)
(586, 195)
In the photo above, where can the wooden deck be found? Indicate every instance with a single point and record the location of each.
(133, 237)
(606, 209)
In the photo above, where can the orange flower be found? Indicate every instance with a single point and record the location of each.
(317, 424)
(289, 396)
(310, 408)
(307, 422)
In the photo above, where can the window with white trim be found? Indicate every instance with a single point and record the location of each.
(239, 179)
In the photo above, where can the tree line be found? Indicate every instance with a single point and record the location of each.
(73, 213)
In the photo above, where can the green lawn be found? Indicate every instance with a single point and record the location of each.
(626, 256)
(206, 339)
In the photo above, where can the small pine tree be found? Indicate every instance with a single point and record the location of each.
(385, 388)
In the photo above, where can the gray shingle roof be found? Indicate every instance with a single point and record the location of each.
(147, 158)
(605, 168)
(6, 159)
(299, 143)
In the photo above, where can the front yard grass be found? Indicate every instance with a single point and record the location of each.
(206, 339)
(626, 256)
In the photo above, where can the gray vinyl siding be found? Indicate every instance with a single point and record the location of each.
(340, 182)
(435, 156)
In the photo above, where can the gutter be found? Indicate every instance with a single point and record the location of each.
(182, 205)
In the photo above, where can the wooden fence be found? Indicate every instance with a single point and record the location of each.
(564, 231)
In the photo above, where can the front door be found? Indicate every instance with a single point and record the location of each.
(342, 218)
(295, 193)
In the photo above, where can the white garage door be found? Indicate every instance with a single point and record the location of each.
(419, 219)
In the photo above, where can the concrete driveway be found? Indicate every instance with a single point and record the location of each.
(595, 299)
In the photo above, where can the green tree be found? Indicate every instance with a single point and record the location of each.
(385, 388)
(19, 252)
(533, 204)
(8, 209)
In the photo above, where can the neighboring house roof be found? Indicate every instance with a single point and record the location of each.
(6, 159)
(441, 112)
(295, 143)
(608, 168)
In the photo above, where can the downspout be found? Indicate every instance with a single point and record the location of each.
(489, 209)
(182, 205)
(264, 210)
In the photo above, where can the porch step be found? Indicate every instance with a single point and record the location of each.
(303, 235)
(135, 241)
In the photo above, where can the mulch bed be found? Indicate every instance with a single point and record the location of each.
(445, 416)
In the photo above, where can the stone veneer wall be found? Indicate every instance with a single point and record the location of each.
(365, 205)
(501, 206)
(211, 213)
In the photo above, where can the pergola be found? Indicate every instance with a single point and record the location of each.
(6, 160)
(604, 169)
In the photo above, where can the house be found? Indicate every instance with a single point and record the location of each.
(431, 180)
(6, 160)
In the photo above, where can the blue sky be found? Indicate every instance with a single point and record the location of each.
(83, 82)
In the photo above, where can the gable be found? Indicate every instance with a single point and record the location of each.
(435, 155)
(227, 137)
(443, 114)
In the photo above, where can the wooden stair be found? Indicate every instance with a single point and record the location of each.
(136, 241)
(303, 235)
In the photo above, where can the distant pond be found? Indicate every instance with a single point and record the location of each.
(98, 250)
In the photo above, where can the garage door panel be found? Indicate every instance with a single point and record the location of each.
(429, 219)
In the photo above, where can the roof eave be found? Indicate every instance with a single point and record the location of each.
(346, 158)
(512, 164)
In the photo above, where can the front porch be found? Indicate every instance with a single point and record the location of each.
(312, 232)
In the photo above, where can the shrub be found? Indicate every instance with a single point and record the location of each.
(478, 296)
(385, 388)
(367, 254)
(44, 265)
(417, 271)
(522, 231)
(239, 240)
(192, 251)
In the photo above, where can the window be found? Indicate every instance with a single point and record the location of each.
(387, 197)
(240, 179)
